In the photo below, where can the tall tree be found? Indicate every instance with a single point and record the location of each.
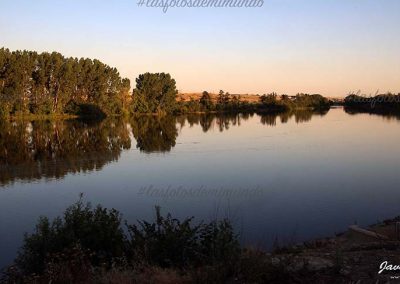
(49, 83)
(206, 101)
(154, 92)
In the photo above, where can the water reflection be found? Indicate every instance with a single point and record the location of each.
(300, 116)
(44, 149)
(224, 121)
(32, 150)
(212, 122)
(389, 114)
(154, 133)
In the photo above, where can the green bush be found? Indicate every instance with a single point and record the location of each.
(97, 232)
(97, 229)
(168, 242)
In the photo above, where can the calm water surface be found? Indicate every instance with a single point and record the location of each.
(292, 176)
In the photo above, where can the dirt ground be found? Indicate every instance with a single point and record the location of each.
(359, 255)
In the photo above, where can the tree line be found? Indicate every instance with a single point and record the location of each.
(51, 84)
(226, 102)
(387, 105)
(380, 101)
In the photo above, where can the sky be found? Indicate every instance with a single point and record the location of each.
(331, 47)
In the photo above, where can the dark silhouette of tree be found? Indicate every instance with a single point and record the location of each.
(206, 101)
(270, 99)
(383, 104)
(221, 96)
(315, 101)
(226, 98)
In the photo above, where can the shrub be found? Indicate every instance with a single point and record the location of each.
(96, 229)
(167, 242)
(95, 236)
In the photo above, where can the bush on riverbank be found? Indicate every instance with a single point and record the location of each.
(89, 245)
(88, 239)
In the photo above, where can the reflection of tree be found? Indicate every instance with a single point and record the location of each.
(221, 121)
(210, 121)
(268, 119)
(285, 117)
(154, 133)
(192, 119)
(206, 122)
(300, 116)
(303, 116)
(31, 150)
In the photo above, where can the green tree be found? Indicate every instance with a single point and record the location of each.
(270, 99)
(206, 101)
(49, 83)
(221, 96)
(154, 92)
(223, 100)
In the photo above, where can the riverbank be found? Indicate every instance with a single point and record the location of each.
(254, 108)
(33, 117)
(358, 255)
(89, 245)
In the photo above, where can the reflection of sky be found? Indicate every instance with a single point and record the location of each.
(316, 178)
(328, 47)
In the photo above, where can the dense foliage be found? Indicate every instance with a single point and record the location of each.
(226, 102)
(300, 101)
(388, 101)
(315, 101)
(154, 93)
(49, 83)
(88, 245)
(98, 232)
(168, 242)
(206, 101)
(387, 105)
(96, 229)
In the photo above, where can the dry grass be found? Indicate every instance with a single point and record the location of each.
(250, 98)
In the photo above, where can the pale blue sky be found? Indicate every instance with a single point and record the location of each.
(329, 47)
